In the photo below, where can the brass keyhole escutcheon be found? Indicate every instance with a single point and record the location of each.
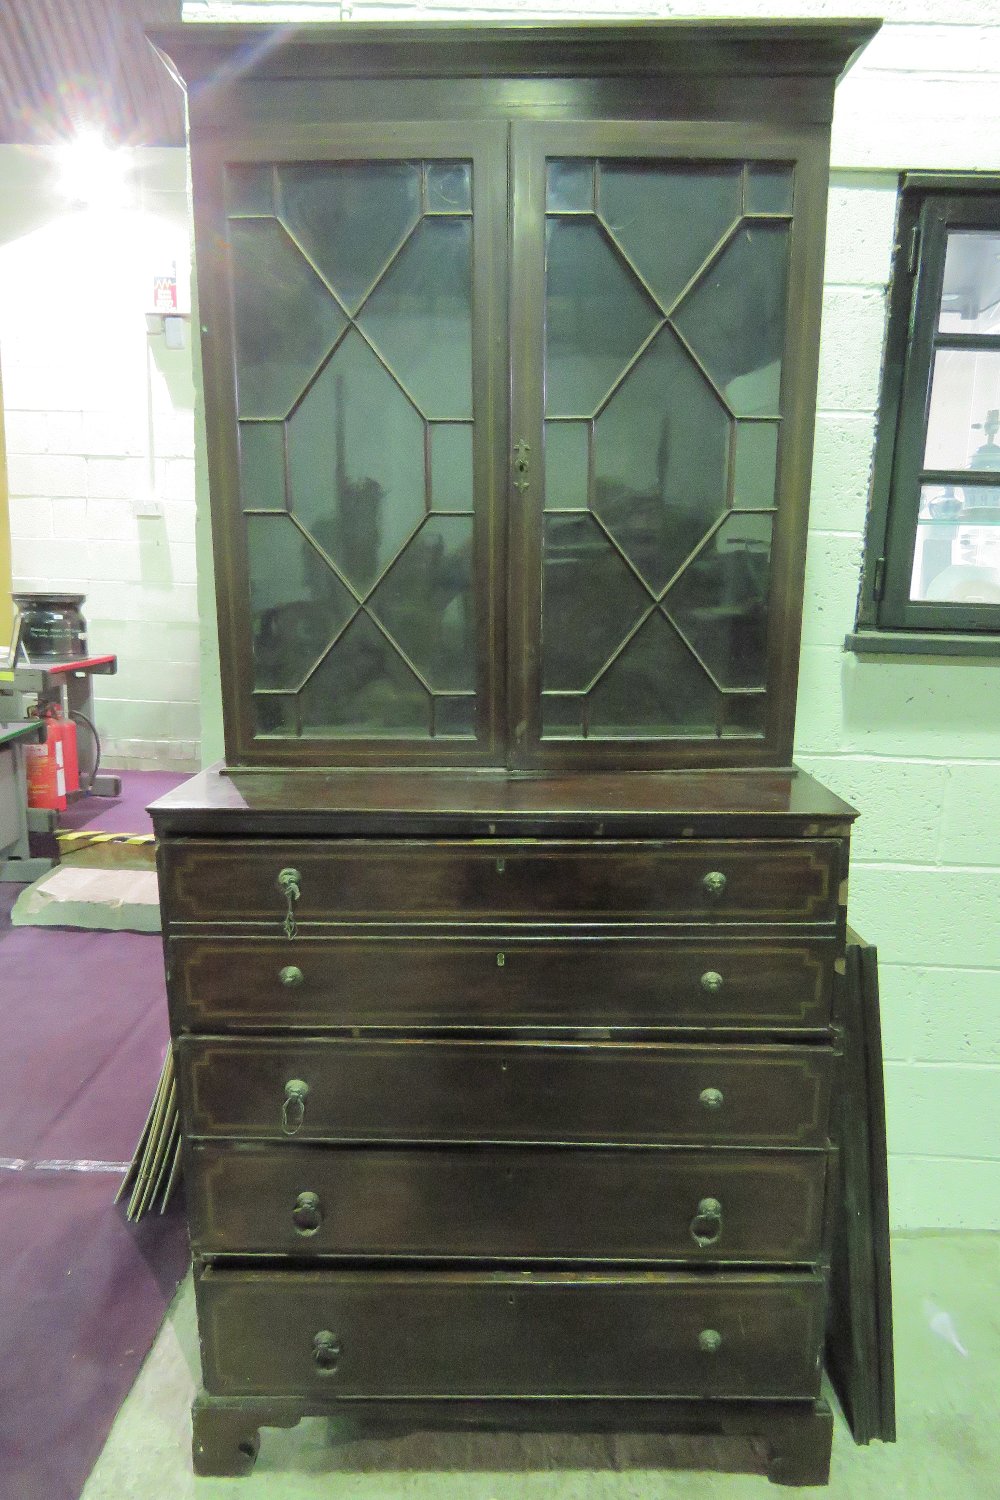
(501, 960)
(326, 1351)
(501, 866)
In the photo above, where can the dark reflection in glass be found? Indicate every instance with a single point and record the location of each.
(262, 465)
(745, 714)
(297, 602)
(720, 600)
(455, 717)
(596, 317)
(566, 481)
(451, 466)
(285, 319)
(364, 688)
(661, 449)
(590, 601)
(655, 688)
(769, 189)
(734, 319)
(250, 188)
(699, 204)
(569, 186)
(356, 463)
(756, 465)
(350, 217)
(276, 713)
(970, 295)
(425, 603)
(449, 187)
(420, 317)
(562, 716)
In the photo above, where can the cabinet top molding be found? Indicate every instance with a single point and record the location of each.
(815, 49)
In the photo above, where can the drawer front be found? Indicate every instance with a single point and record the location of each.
(325, 1334)
(401, 980)
(679, 880)
(347, 1090)
(531, 1203)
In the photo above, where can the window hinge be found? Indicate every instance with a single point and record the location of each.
(878, 578)
(913, 256)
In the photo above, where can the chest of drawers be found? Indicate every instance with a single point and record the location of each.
(504, 1111)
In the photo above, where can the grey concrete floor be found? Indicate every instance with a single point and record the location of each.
(947, 1326)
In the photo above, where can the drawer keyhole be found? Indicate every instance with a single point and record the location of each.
(326, 1351)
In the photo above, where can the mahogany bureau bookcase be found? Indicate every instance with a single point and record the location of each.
(506, 952)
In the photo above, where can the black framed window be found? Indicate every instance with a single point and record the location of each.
(932, 567)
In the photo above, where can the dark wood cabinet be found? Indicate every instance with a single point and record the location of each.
(505, 956)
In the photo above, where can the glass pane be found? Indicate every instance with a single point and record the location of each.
(569, 186)
(356, 464)
(964, 415)
(276, 713)
(756, 465)
(455, 716)
(364, 688)
(769, 189)
(566, 481)
(451, 467)
(734, 319)
(250, 189)
(285, 319)
(596, 317)
(699, 204)
(655, 688)
(661, 450)
(562, 715)
(262, 465)
(956, 559)
(350, 217)
(425, 603)
(970, 300)
(745, 714)
(297, 603)
(420, 317)
(449, 187)
(581, 568)
(720, 601)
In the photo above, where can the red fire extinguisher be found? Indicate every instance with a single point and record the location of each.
(53, 766)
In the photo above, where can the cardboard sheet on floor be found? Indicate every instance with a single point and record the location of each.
(110, 900)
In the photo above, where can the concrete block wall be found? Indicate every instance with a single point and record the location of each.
(99, 419)
(914, 743)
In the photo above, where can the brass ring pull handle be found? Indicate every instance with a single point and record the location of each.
(293, 1111)
(711, 1098)
(290, 886)
(714, 883)
(709, 1341)
(326, 1351)
(291, 976)
(712, 982)
(307, 1215)
(706, 1226)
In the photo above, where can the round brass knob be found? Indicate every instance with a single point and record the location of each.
(291, 976)
(706, 1226)
(307, 1215)
(712, 982)
(326, 1351)
(709, 1341)
(711, 1098)
(714, 883)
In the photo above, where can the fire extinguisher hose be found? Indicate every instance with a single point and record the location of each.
(92, 728)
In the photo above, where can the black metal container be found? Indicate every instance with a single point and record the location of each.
(52, 626)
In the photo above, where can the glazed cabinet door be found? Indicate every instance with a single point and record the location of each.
(665, 315)
(354, 374)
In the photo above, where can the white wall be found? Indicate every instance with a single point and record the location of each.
(914, 743)
(98, 416)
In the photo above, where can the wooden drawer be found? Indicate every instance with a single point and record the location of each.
(503, 1203)
(504, 979)
(326, 1334)
(236, 880)
(505, 1091)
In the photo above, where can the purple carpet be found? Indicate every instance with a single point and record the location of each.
(83, 1031)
